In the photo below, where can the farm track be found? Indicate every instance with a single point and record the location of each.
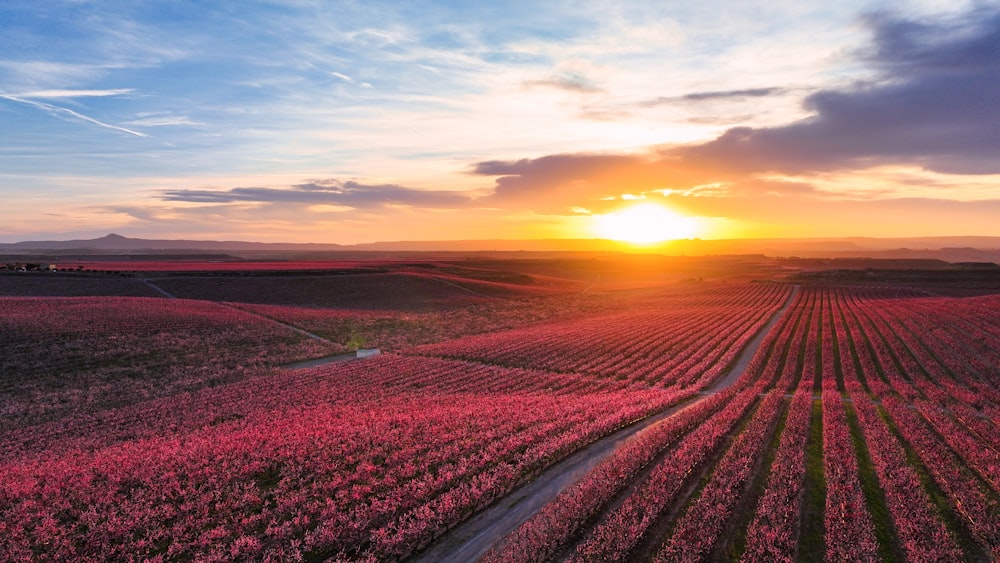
(315, 362)
(158, 289)
(473, 538)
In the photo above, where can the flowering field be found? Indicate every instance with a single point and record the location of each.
(367, 458)
(685, 339)
(396, 330)
(863, 428)
(64, 355)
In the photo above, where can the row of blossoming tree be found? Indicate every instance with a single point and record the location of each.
(864, 428)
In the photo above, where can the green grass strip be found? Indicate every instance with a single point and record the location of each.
(885, 531)
(812, 544)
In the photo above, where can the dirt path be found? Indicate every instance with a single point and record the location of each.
(463, 288)
(273, 320)
(335, 359)
(159, 289)
(742, 361)
(473, 538)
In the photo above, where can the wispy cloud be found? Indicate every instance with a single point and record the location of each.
(572, 82)
(75, 93)
(64, 113)
(350, 80)
(162, 121)
(741, 94)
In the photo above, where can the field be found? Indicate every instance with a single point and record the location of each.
(520, 411)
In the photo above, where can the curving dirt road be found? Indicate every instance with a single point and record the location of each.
(474, 537)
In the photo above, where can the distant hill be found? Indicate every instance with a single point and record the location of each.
(949, 249)
(115, 242)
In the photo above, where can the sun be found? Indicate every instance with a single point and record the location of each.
(645, 223)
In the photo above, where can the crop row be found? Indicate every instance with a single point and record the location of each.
(919, 437)
(922, 535)
(674, 447)
(393, 452)
(660, 346)
(904, 441)
(850, 532)
(354, 383)
(697, 531)
(548, 531)
(620, 531)
(773, 535)
(967, 494)
(375, 459)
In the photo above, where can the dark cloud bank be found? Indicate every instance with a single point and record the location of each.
(328, 192)
(936, 104)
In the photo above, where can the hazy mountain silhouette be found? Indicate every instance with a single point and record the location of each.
(952, 249)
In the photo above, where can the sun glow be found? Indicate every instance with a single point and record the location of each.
(645, 223)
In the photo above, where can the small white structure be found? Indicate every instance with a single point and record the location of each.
(368, 352)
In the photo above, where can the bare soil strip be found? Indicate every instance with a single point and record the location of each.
(474, 537)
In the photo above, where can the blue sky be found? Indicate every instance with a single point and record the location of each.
(362, 121)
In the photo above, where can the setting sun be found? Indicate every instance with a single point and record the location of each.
(645, 223)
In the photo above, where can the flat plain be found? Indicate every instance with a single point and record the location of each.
(677, 411)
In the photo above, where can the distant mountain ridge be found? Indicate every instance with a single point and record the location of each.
(951, 249)
(116, 242)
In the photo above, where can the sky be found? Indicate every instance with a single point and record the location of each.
(353, 122)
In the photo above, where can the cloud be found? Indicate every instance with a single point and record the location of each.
(567, 81)
(63, 113)
(162, 121)
(935, 105)
(75, 93)
(717, 95)
(350, 80)
(558, 183)
(329, 192)
(739, 94)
